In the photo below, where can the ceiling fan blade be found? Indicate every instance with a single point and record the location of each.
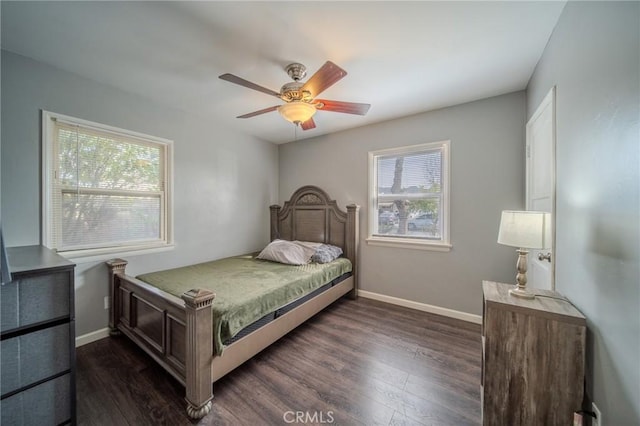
(344, 107)
(242, 82)
(262, 111)
(324, 78)
(308, 125)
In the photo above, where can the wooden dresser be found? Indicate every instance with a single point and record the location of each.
(533, 356)
(37, 339)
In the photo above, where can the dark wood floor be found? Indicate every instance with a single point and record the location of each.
(356, 363)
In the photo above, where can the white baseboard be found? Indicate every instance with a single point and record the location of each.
(476, 319)
(92, 337)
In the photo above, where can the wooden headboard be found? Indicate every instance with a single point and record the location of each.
(311, 215)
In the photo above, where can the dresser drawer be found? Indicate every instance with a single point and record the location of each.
(35, 298)
(35, 356)
(47, 404)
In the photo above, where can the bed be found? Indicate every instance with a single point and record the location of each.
(178, 326)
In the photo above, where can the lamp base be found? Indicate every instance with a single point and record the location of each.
(524, 294)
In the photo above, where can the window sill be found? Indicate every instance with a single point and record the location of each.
(409, 243)
(100, 255)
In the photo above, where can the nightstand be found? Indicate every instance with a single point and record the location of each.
(533, 357)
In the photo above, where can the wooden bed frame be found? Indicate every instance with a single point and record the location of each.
(178, 332)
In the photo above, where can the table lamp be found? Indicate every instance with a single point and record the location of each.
(525, 230)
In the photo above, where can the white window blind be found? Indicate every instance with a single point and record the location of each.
(409, 194)
(108, 187)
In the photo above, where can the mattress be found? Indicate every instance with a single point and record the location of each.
(247, 289)
(283, 310)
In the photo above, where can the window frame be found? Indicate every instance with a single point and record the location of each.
(49, 168)
(420, 243)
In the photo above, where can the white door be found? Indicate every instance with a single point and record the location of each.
(541, 145)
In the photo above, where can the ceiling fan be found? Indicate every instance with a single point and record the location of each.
(301, 103)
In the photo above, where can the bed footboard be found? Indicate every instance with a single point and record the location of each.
(177, 333)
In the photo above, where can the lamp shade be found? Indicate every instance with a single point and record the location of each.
(297, 111)
(525, 229)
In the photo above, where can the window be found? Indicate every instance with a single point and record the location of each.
(409, 196)
(105, 189)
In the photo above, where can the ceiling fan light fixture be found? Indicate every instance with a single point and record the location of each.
(297, 111)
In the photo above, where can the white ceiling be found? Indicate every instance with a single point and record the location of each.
(401, 57)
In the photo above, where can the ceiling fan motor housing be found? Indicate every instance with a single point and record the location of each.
(293, 92)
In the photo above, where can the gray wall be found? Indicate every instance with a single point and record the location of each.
(487, 160)
(593, 60)
(223, 181)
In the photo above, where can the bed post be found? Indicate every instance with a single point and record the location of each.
(198, 351)
(352, 239)
(116, 268)
(275, 211)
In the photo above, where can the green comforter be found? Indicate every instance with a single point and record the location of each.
(246, 288)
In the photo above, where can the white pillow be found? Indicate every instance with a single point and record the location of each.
(287, 252)
(308, 244)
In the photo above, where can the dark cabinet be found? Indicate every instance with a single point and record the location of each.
(37, 347)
